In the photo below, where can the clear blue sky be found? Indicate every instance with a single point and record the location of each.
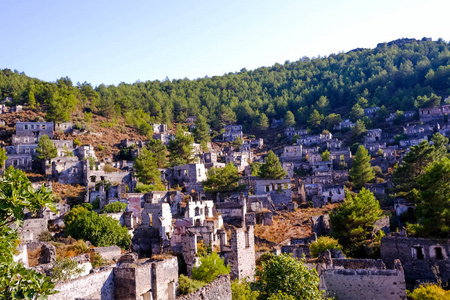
(113, 41)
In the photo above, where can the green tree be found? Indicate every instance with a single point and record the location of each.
(413, 164)
(325, 155)
(289, 119)
(3, 157)
(361, 171)
(427, 102)
(100, 230)
(433, 199)
(181, 149)
(356, 113)
(285, 274)
(322, 104)
(145, 167)
(46, 149)
(31, 99)
(187, 285)
(113, 207)
(440, 144)
(222, 179)
(263, 122)
(323, 244)
(210, 267)
(159, 150)
(382, 114)
(399, 118)
(331, 120)
(16, 281)
(352, 222)
(255, 167)
(358, 131)
(201, 132)
(226, 116)
(315, 119)
(272, 168)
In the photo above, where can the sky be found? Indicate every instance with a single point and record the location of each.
(127, 41)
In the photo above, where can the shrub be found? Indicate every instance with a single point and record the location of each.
(79, 247)
(211, 267)
(88, 206)
(98, 261)
(45, 236)
(109, 169)
(100, 230)
(146, 188)
(187, 285)
(101, 147)
(242, 291)
(429, 292)
(65, 269)
(77, 142)
(323, 244)
(114, 207)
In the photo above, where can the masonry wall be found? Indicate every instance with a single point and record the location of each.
(219, 289)
(98, 285)
(165, 279)
(364, 284)
(417, 268)
(242, 256)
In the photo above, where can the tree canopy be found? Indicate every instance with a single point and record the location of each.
(222, 179)
(46, 149)
(361, 171)
(351, 223)
(285, 274)
(272, 168)
(181, 148)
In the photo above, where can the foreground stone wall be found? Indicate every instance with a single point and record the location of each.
(219, 289)
(364, 284)
(97, 285)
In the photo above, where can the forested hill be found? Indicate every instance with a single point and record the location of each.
(393, 74)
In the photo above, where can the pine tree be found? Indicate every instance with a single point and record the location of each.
(31, 99)
(356, 113)
(201, 132)
(325, 155)
(289, 119)
(263, 122)
(358, 131)
(145, 167)
(272, 168)
(46, 149)
(315, 119)
(181, 148)
(361, 171)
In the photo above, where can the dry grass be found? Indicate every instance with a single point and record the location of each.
(71, 194)
(291, 224)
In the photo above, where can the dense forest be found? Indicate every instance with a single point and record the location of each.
(393, 74)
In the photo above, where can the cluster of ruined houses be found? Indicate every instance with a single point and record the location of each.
(175, 222)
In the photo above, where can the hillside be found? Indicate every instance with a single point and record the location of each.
(393, 74)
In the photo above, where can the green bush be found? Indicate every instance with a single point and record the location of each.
(323, 244)
(241, 290)
(146, 188)
(114, 207)
(98, 261)
(187, 285)
(211, 267)
(65, 269)
(88, 206)
(429, 292)
(100, 230)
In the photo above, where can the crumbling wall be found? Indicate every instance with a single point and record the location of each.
(96, 285)
(219, 289)
(32, 228)
(418, 256)
(241, 256)
(364, 284)
(165, 278)
(320, 224)
(132, 281)
(108, 253)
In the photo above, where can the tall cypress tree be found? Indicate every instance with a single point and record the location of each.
(361, 171)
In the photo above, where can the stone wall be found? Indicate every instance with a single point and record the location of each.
(165, 278)
(241, 253)
(97, 285)
(364, 284)
(32, 228)
(418, 256)
(108, 253)
(219, 289)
